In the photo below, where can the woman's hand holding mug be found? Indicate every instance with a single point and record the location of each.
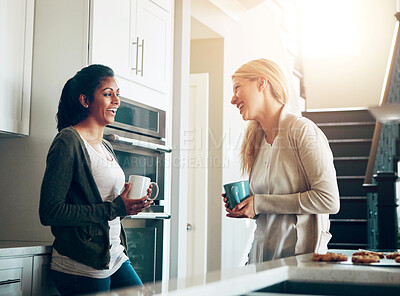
(135, 206)
(238, 202)
(245, 209)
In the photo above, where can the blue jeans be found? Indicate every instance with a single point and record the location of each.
(69, 284)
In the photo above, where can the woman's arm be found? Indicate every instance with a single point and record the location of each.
(315, 154)
(53, 209)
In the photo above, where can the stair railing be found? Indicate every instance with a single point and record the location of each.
(381, 195)
(383, 100)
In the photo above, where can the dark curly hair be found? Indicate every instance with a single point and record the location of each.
(86, 81)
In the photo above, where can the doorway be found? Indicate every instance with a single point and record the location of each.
(207, 56)
(197, 175)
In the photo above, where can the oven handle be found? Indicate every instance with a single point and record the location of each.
(138, 143)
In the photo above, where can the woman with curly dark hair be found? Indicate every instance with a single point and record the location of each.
(83, 194)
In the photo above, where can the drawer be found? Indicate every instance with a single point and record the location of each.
(16, 276)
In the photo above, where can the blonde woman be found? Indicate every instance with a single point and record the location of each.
(290, 166)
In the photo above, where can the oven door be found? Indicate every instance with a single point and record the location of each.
(140, 154)
(149, 162)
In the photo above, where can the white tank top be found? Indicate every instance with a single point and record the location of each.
(110, 180)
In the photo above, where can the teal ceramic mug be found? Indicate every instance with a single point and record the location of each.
(236, 192)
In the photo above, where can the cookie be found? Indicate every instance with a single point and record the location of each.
(365, 258)
(397, 259)
(392, 255)
(365, 252)
(329, 257)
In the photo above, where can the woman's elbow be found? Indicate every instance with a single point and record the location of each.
(45, 220)
(335, 208)
(329, 203)
(331, 198)
(45, 216)
(333, 204)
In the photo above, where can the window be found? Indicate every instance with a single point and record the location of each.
(330, 27)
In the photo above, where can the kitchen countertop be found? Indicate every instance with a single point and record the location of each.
(24, 248)
(253, 277)
(247, 279)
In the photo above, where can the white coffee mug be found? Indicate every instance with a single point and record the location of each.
(140, 184)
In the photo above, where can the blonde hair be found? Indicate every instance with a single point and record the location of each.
(254, 133)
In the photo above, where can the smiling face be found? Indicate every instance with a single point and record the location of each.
(105, 102)
(248, 97)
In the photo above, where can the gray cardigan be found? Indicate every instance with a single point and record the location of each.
(71, 204)
(305, 160)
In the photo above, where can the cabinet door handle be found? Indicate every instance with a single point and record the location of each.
(141, 71)
(137, 55)
(8, 282)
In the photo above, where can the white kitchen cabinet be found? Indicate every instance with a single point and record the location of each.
(16, 276)
(29, 275)
(110, 35)
(16, 33)
(134, 37)
(152, 29)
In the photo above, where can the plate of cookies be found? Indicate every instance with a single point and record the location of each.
(361, 257)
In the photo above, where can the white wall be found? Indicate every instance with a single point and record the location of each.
(355, 81)
(253, 36)
(59, 43)
(180, 123)
(206, 56)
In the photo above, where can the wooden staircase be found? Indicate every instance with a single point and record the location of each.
(350, 135)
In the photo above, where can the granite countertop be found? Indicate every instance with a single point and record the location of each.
(253, 277)
(24, 248)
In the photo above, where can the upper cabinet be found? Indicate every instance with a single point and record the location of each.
(16, 31)
(134, 38)
(151, 41)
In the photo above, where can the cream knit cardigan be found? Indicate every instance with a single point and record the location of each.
(309, 167)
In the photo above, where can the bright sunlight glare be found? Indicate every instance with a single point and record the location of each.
(330, 27)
